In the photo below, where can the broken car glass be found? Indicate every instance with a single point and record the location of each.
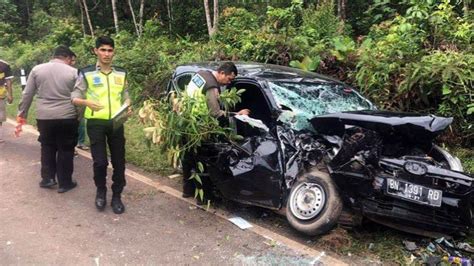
(303, 101)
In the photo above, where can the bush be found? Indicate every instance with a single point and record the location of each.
(422, 62)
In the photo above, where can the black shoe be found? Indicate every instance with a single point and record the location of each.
(187, 194)
(101, 199)
(47, 183)
(188, 190)
(67, 188)
(117, 205)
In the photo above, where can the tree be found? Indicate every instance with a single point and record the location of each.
(341, 9)
(85, 10)
(140, 17)
(466, 7)
(137, 30)
(114, 12)
(211, 25)
(170, 17)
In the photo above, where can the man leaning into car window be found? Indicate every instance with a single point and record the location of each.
(208, 83)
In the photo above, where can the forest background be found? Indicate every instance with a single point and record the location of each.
(407, 55)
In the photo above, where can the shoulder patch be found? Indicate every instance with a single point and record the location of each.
(198, 80)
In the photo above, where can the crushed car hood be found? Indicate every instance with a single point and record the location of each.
(412, 127)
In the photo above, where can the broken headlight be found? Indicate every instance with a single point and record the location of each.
(454, 162)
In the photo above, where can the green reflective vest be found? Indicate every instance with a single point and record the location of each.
(106, 89)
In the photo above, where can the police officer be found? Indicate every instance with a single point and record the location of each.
(102, 89)
(56, 117)
(208, 83)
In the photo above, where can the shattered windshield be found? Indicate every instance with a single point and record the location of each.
(301, 101)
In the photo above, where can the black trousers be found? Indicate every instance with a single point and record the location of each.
(58, 137)
(189, 164)
(101, 133)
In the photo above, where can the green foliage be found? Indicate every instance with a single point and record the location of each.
(182, 123)
(343, 47)
(418, 61)
(415, 63)
(307, 63)
(320, 23)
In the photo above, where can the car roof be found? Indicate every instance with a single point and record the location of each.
(259, 71)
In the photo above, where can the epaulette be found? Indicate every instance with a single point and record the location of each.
(88, 68)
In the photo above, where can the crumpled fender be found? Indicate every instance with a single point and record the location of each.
(412, 127)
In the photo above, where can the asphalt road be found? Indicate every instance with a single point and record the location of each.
(41, 226)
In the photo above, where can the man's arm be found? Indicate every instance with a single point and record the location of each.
(78, 95)
(9, 90)
(27, 96)
(212, 100)
(126, 99)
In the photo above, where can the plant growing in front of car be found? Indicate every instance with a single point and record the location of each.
(181, 123)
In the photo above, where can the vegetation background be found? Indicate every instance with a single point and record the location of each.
(406, 55)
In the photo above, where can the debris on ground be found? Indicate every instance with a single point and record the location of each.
(174, 176)
(440, 250)
(410, 246)
(240, 222)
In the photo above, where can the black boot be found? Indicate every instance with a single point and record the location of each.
(101, 198)
(188, 188)
(117, 205)
(47, 183)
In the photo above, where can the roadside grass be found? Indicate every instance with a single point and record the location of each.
(383, 242)
(141, 154)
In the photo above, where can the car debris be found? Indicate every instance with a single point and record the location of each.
(240, 222)
(438, 251)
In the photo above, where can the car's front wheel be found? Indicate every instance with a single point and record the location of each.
(313, 205)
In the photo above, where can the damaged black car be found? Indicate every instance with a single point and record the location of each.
(317, 149)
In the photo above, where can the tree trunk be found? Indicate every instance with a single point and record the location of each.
(133, 17)
(170, 17)
(114, 12)
(140, 16)
(466, 7)
(82, 18)
(341, 9)
(211, 25)
(89, 22)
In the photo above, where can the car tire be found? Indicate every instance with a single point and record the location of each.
(313, 205)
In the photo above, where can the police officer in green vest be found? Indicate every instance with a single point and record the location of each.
(208, 84)
(102, 89)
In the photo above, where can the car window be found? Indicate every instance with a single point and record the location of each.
(301, 101)
(183, 80)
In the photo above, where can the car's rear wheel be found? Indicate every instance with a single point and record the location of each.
(313, 205)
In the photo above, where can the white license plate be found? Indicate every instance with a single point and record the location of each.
(413, 192)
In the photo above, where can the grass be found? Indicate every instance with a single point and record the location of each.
(140, 153)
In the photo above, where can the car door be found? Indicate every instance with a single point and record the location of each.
(250, 170)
